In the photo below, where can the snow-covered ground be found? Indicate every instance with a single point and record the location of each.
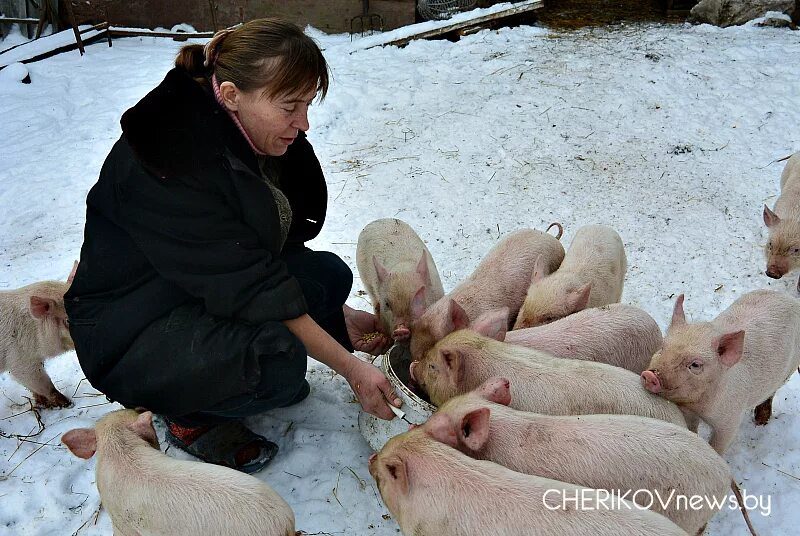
(668, 133)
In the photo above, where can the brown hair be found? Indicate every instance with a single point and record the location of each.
(263, 53)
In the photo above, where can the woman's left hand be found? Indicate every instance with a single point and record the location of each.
(364, 331)
(372, 389)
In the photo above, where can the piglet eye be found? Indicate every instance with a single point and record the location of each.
(695, 365)
(66, 322)
(795, 251)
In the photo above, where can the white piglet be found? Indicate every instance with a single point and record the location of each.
(395, 266)
(465, 359)
(500, 280)
(148, 493)
(591, 275)
(34, 327)
(612, 452)
(617, 334)
(783, 247)
(719, 370)
(432, 489)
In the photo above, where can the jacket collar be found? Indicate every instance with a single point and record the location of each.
(178, 128)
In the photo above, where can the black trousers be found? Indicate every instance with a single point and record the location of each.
(198, 369)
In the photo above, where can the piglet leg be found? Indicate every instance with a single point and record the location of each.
(723, 434)
(44, 392)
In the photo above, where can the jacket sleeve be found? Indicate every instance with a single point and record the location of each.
(192, 234)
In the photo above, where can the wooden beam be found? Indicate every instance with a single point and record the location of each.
(517, 8)
(12, 20)
(101, 26)
(47, 15)
(95, 32)
(133, 32)
(94, 35)
(71, 18)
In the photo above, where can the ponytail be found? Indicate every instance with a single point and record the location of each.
(192, 59)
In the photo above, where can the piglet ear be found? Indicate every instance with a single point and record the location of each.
(422, 267)
(442, 429)
(82, 442)
(396, 468)
(143, 427)
(411, 368)
(418, 303)
(492, 324)
(454, 365)
(678, 316)
(41, 307)
(770, 218)
(730, 348)
(539, 269)
(581, 298)
(72, 272)
(457, 317)
(382, 272)
(474, 431)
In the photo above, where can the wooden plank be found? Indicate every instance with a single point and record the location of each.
(71, 18)
(137, 32)
(101, 26)
(41, 48)
(16, 9)
(50, 45)
(92, 37)
(12, 20)
(517, 8)
(16, 12)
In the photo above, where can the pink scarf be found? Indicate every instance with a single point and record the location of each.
(233, 116)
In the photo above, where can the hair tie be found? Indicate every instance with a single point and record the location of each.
(211, 50)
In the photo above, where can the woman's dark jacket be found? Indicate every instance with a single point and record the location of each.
(181, 212)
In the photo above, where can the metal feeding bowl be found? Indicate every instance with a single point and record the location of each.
(377, 432)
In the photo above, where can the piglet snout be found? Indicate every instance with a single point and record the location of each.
(401, 333)
(503, 395)
(497, 390)
(774, 272)
(651, 382)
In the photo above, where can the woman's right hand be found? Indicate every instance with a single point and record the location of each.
(372, 389)
(370, 386)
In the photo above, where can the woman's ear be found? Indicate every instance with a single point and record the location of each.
(230, 95)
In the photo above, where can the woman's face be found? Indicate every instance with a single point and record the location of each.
(271, 123)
